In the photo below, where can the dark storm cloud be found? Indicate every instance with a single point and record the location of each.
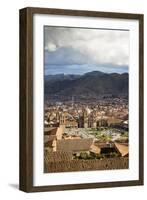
(65, 56)
(89, 48)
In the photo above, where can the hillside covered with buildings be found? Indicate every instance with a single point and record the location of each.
(86, 135)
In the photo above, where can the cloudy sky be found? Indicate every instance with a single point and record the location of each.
(77, 50)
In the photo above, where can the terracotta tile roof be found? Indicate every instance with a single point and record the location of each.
(49, 138)
(86, 165)
(50, 130)
(114, 121)
(123, 149)
(74, 144)
(104, 144)
(95, 149)
(57, 156)
(46, 129)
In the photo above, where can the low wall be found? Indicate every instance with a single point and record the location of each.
(85, 165)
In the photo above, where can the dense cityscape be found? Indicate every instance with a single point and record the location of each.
(85, 131)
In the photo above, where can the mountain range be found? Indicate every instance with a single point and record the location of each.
(91, 85)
